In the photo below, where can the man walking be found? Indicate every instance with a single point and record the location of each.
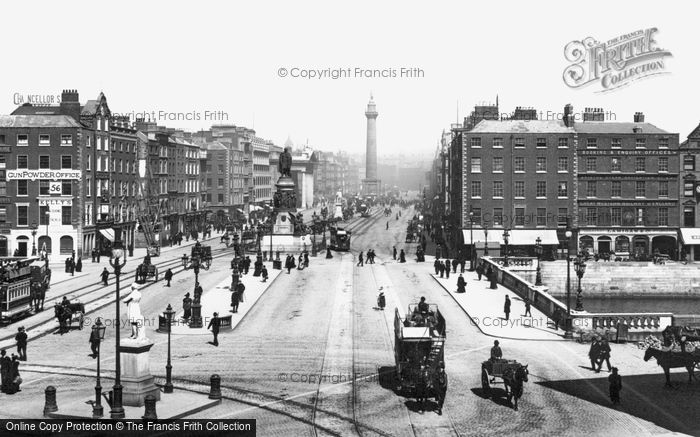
(527, 308)
(436, 265)
(235, 296)
(214, 325)
(264, 273)
(615, 381)
(604, 355)
(168, 277)
(479, 272)
(94, 340)
(506, 307)
(394, 253)
(105, 276)
(594, 353)
(360, 260)
(448, 266)
(21, 339)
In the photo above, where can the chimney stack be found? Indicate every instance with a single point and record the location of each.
(568, 115)
(639, 117)
(70, 104)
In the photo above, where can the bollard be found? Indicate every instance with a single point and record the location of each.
(215, 392)
(50, 404)
(150, 403)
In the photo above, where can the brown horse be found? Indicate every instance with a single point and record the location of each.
(673, 360)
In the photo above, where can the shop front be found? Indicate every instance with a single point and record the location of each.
(629, 243)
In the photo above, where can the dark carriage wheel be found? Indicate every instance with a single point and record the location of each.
(485, 387)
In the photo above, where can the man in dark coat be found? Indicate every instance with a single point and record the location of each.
(440, 386)
(79, 265)
(306, 259)
(441, 268)
(506, 307)
(235, 299)
(604, 355)
(436, 265)
(21, 340)
(360, 260)
(461, 284)
(528, 313)
(168, 277)
(94, 255)
(14, 376)
(395, 253)
(214, 325)
(5, 366)
(402, 256)
(94, 341)
(329, 255)
(247, 264)
(105, 276)
(479, 272)
(448, 266)
(264, 273)
(455, 262)
(187, 306)
(594, 353)
(615, 381)
(422, 386)
(493, 277)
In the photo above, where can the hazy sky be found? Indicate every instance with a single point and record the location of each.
(192, 57)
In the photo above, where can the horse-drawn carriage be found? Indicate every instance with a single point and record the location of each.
(419, 347)
(511, 373)
(146, 270)
(69, 314)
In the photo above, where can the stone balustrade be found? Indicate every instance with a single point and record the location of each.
(518, 263)
(637, 324)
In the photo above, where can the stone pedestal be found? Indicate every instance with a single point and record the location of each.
(284, 225)
(136, 378)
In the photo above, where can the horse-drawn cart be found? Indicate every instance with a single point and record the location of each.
(511, 373)
(69, 314)
(146, 270)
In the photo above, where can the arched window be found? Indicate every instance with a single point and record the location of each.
(66, 244)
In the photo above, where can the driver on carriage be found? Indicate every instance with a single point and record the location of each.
(147, 259)
(65, 302)
(496, 352)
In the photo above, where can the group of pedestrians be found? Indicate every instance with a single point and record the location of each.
(73, 266)
(489, 273)
(290, 263)
(10, 378)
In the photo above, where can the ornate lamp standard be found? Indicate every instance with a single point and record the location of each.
(538, 251)
(568, 333)
(33, 227)
(195, 263)
(98, 333)
(506, 234)
(471, 241)
(486, 240)
(580, 268)
(168, 388)
(117, 411)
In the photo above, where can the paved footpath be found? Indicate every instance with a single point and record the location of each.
(484, 307)
(218, 300)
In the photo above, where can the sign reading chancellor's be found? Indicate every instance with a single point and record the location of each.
(43, 174)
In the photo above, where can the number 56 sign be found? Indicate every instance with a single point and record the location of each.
(55, 187)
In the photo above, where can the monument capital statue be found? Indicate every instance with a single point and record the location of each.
(284, 166)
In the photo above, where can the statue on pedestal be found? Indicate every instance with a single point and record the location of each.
(133, 302)
(284, 166)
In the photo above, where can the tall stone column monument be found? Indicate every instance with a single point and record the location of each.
(371, 185)
(285, 200)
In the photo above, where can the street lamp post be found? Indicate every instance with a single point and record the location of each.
(195, 263)
(168, 388)
(538, 251)
(34, 230)
(98, 330)
(580, 268)
(471, 241)
(117, 411)
(506, 234)
(486, 241)
(568, 331)
(48, 217)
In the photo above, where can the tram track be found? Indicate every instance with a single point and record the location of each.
(94, 288)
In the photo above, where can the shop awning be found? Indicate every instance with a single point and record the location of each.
(108, 233)
(527, 237)
(690, 235)
(477, 237)
(518, 237)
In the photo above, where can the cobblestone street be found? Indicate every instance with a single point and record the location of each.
(314, 353)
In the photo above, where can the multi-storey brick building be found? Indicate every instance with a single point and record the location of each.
(690, 194)
(628, 186)
(101, 197)
(518, 175)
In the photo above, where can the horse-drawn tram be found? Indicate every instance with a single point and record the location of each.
(419, 347)
(22, 281)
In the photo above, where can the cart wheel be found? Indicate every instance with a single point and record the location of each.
(485, 387)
